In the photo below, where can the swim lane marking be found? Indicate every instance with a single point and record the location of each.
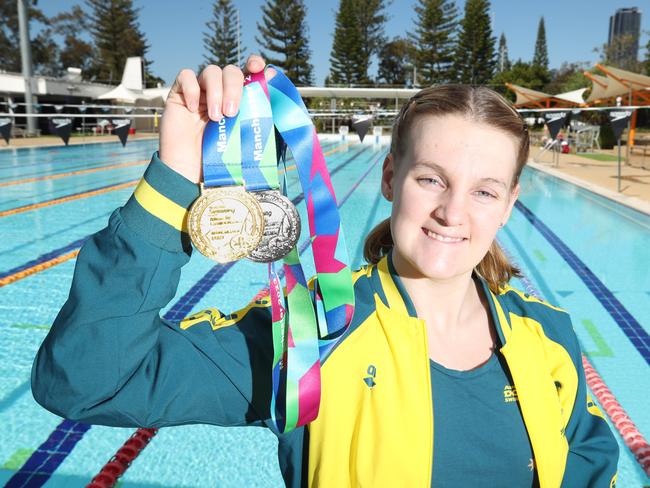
(69, 198)
(73, 173)
(24, 473)
(627, 323)
(39, 264)
(76, 196)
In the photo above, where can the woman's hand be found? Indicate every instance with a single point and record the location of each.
(191, 102)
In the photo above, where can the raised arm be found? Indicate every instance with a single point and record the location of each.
(109, 357)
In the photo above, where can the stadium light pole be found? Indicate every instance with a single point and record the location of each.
(26, 57)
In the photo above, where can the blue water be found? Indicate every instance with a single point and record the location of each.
(602, 237)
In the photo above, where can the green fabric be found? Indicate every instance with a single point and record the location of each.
(480, 437)
(110, 359)
(175, 187)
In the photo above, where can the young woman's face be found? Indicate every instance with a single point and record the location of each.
(451, 190)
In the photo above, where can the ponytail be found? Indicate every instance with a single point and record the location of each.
(494, 268)
(378, 242)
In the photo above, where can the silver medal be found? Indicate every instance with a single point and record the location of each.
(281, 227)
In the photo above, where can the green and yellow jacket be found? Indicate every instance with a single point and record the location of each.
(110, 359)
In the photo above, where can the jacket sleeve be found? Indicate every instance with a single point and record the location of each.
(593, 451)
(110, 359)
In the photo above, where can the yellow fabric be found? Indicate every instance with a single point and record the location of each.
(530, 298)
(538, 365)
(159, 205)
(379, 436)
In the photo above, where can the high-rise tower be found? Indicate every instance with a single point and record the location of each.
(624, 32)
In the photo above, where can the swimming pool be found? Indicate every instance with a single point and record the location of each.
(580, 251)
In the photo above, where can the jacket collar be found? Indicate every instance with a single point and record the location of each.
(388, 285)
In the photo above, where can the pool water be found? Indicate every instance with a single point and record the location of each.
(580, 251)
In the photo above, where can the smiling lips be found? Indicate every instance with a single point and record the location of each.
(442, 238)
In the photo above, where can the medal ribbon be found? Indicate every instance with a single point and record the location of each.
(297, 348)
(298, 364)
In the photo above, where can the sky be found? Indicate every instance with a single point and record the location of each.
(574, 28)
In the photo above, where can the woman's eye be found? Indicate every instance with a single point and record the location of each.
(429, 181)
(485, 194)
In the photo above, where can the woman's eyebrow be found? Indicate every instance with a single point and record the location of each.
(495, 180)
(430, 165)
(440, 169)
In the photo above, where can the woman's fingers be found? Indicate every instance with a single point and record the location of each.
(211, 83)
(233, 82)
(256, 63)
(187, 86)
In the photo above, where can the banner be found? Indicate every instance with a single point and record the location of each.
(5, 128)
(61, 127)
(361, 125)
(121, 128)
(555, 121)
(618, 119)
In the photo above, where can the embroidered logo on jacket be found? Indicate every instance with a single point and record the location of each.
(509, 394)
(370, 379)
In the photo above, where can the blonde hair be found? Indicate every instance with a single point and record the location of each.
(479, 104)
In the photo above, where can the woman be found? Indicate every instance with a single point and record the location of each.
(436, 327)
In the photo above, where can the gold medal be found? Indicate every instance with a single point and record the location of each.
(225, 223)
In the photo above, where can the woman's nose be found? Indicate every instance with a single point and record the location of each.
(451, 209)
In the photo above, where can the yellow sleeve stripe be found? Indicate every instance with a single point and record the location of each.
(160, 206)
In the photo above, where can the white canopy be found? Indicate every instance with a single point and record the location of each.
(121, 94)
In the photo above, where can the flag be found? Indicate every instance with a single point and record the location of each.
(62, 127)
(555, 121)
(121, 128)
(618, 119)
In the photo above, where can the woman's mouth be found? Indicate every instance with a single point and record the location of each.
(443, 238)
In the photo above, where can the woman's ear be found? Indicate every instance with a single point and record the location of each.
(388, 173)
(514, 194)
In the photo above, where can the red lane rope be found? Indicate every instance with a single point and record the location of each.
(633, 439)
(122, 459)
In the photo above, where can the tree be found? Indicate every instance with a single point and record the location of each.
(284, 31)
(523, 74)
(569, 77)
(371, 19)
(434, 40)
(221, 38)
(475, 57)
(647, 58)
(44, 50)
(117, 36)
(348, 62)
(621, 53)
(75, 52)
(541, 52)
(394, 60)
(503, 63)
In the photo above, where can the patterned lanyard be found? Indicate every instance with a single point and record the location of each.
(296, 330)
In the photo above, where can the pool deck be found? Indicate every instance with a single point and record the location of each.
(601, 177)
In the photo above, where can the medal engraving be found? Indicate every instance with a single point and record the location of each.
(225, 223)
(281, 227)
